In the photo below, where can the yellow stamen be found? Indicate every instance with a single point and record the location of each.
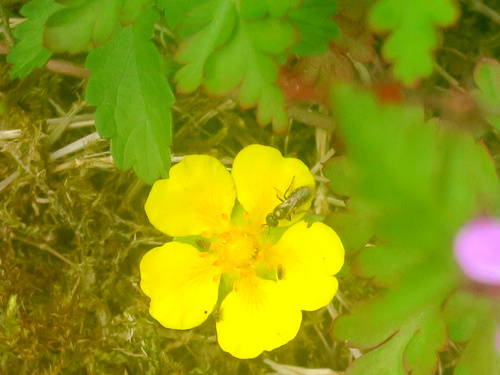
(237, 250)
(206, 234)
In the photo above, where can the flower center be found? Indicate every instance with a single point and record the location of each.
(238, 250)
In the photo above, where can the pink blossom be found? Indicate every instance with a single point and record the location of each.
(477, 250)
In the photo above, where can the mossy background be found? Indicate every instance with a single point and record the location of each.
(73, 230)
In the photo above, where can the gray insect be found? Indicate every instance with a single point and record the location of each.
(288, 206)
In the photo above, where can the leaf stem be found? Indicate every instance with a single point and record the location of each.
(6, 31)
(59, 130)
(452, 81)
(44, 247)
(74, 146)
(482, 8)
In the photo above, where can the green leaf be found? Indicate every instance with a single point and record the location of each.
(252, 9)
(84, 24)
(405, 324)
(426, 182)
(487, 77)
(314, 20)
(237, 46)
(422, 183)
(355, 228)
(343, 176)
(196, 50)
(413, 37)
(230, 52)
(388, 265)
(473, 319)
(29, 53)
(133, 99)
(175, 11)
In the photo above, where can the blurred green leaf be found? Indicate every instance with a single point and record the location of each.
(84, 24)
(413, 37)
(341, 171)
(316, 26)
(473, 319)
(405, 323)
(252, 9)
(175, 10)
(133, 99)
(355, 226)
(238, 47)
(28, 53)
(422, 183)
(426, 181)
(229, 52)
(487, 77)
(388, 265)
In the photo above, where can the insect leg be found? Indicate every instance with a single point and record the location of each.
(289, 187)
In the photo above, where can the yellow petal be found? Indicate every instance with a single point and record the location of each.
(182, 284)
(198, 197)
(261, 175)
(307, 259)
(255, 317)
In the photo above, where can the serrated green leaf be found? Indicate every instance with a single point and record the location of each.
(379, 137)
(229, 53)
(251, 9)
(29, 53)
(394, 261)
(175, 11)
(424, 182)
(84, 24)
(480, 355)
(196, 50)
(411, 343)
(314, 21)
(355, 229)
(355, 225)
(427, 182)
(133, 99)
(487, 77)
(341, 171)
(393, 153)
(473, 319)
(405, 323)
(413, 37)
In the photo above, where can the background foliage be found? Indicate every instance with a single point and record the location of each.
(405, 95)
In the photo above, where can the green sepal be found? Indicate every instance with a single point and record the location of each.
(226, 285)
(198, 241)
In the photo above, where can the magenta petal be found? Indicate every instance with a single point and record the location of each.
(477, 250)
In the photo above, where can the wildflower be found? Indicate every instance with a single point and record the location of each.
(477, 250)
(224, 257)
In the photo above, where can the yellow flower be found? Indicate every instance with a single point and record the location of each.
(225, 257)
